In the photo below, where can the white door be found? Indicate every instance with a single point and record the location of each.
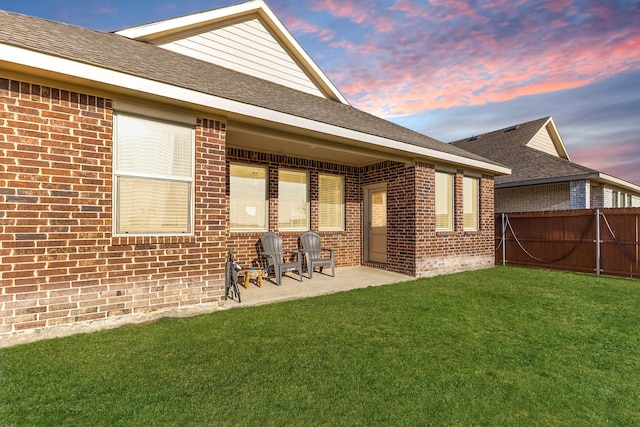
(376, 224)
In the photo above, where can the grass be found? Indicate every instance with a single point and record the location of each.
(504, 347)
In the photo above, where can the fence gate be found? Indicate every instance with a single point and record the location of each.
(600, 241)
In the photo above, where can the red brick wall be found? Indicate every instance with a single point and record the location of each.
(347, 243)
(59, 263)
(457, 250)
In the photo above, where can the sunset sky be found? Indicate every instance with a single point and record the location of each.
(450, 68)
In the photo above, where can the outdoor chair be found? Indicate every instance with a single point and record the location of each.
(312, 250)
(280, 260)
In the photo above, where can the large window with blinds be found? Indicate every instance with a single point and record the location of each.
(471, 198)
(153, 176)
(444, 201)
(330, 202)
(248, 197)
(293, 200)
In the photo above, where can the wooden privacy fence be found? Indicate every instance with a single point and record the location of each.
(600, 241)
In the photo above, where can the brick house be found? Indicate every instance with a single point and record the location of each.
(131, 161)
(543, 177)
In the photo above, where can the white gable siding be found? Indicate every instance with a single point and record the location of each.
(542, 142)
(247, 47)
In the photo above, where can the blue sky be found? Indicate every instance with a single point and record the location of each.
(453, 68)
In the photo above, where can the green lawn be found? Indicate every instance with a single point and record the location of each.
(502, 347)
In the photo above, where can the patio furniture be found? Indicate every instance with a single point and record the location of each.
(254, 273)
(280, 260)
(312, 250)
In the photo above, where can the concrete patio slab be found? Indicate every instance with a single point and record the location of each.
(346, 278)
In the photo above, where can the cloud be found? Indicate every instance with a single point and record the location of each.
(357, 12)
(598, 122)
(298, 25)
(458, 54)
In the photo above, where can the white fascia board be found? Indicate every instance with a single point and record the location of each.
(298, 49)
(608, 179)
(168, 25)
(259, 7)
(92, 73)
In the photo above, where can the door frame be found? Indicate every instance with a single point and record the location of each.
(367, 190)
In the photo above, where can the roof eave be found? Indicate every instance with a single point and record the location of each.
(596, 177)
(92, 75)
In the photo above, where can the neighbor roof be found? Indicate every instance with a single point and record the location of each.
(508, 146)
(153, 64)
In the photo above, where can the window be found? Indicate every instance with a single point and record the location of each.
(331, 202)
(444, 201)
(615, 199)
(470, 192)
(248, 197)
(153, 176)
(293, 201)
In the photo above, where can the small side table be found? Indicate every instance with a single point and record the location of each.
(253, 273)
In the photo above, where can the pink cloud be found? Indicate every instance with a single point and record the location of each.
(415, 70)
(354, 11)
(295, 24)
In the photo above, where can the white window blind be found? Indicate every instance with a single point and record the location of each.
(331, 202)
(471, 197)
(444, 201)
(293, 200)
(248, 195)
(153, 176)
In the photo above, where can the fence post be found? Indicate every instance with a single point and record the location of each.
(598, 242)
(504, 240)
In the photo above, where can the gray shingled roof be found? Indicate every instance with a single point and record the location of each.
(119, 53)
(508, 147)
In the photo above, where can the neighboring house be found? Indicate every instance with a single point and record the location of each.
(542, 175)
(132, 161)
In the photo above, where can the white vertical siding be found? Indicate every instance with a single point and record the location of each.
(247, 47)
(608, 198)
(543, 142)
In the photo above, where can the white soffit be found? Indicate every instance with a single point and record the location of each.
(238, 37)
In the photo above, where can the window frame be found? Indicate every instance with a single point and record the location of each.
(118, 172)
(451, 208)
(342, 202)
(307, 225)
(266, 198)
(476, 206)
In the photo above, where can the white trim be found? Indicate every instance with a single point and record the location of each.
(619, 182)
(103, 76)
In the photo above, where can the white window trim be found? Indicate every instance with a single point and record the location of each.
(476, 226)
(343, 214)
(266, 193)
(307, 226)
(452, 187)
(116, 174)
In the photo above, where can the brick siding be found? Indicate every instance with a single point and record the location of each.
(533, 198)
(59, 262)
